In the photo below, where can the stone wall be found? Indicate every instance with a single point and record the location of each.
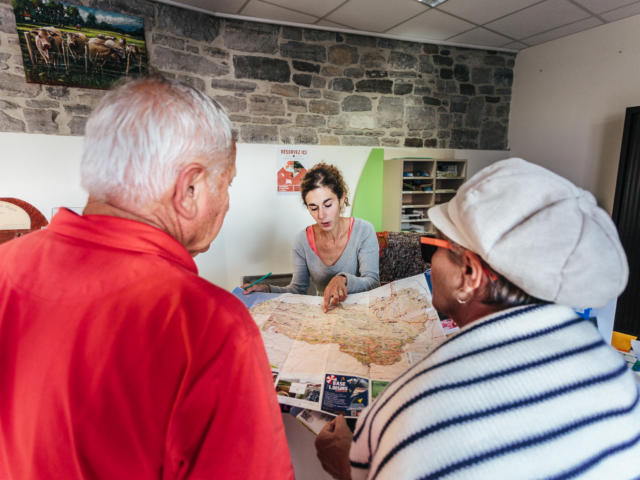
(283, 84)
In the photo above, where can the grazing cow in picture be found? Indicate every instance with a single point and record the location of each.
(118, 47)
(77, 48)
(103, 50)
(49, 44)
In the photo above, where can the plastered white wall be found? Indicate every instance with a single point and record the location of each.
(43, 170)
(260, 227)
(257, 233)
(569, 101)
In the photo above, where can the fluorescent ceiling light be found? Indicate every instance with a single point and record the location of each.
(432, 3)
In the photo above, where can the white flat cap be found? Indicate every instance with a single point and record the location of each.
(539, 231)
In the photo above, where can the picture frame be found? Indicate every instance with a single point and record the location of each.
(76, 46)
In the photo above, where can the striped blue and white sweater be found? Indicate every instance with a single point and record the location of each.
(529, 392)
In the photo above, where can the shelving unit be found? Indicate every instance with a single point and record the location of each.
(425, 182)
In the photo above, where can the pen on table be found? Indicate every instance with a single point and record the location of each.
(257, 281)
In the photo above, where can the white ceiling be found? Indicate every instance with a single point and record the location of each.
(493, 24)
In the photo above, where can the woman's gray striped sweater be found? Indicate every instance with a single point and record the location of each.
(530, 392)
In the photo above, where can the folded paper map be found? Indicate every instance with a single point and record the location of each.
(337, 362)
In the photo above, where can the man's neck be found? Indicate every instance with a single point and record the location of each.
(95, 207)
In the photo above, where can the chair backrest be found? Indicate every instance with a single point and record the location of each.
(400, 255)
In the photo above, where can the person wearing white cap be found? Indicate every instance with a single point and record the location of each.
(526, 388)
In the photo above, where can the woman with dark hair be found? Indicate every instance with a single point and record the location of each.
(339, 255)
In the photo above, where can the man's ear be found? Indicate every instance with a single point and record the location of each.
(190, 185)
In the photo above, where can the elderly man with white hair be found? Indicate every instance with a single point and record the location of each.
(526, 389)
(116, 359)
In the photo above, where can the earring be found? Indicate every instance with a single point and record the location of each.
(460, 299)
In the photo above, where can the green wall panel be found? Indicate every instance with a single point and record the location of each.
(367, 201)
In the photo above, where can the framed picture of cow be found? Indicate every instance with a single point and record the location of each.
(77, 46)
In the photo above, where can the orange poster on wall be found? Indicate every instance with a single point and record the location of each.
(292, 169)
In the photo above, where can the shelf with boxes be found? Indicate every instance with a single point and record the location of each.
(417, 193)
(425, 182)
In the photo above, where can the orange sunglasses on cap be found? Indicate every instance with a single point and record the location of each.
(430, 245)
